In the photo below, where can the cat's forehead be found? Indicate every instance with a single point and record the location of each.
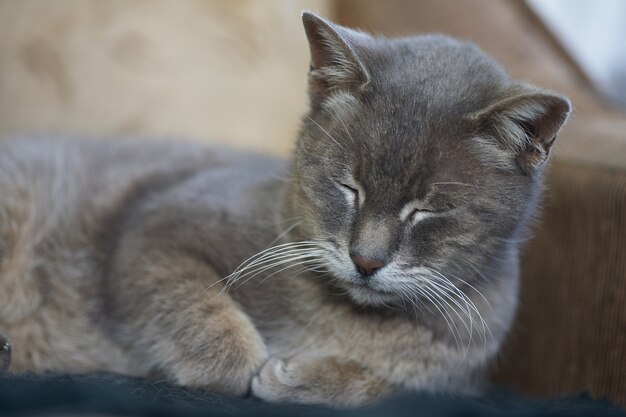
(432, 72)
(411, 119)
(399, 166)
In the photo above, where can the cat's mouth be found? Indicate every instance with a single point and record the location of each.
(365, 293)
(361, 291)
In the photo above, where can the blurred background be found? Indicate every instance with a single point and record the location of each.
(593, 33)
(234, 71)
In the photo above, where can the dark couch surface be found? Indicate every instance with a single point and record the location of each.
(111, 395)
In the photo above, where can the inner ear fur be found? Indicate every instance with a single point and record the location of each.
(527, 123)
(334, 62)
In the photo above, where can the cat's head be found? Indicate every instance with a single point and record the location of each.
(419, 159)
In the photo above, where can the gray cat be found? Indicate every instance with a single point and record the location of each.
(383, 257)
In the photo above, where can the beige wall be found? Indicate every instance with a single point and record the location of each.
(230, 70)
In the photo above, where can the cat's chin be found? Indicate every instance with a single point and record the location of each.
(367, 296)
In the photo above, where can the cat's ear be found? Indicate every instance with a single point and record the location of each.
(526, 122)
(335, 64)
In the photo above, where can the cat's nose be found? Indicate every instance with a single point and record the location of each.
(366, 266)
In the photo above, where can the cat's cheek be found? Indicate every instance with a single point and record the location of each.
(427, 239)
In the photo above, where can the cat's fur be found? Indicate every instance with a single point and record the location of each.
(419, 159)
(5, 354)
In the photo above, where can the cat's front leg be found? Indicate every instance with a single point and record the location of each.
(166, 308)
(327, 380)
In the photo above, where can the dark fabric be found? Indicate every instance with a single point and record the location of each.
(570, 332)
(110, 395)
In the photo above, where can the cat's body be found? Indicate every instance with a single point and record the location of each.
(70, 207)
(79, 199)
(113, 254)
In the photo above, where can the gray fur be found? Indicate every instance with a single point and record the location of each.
(5, 354)
(419, 153)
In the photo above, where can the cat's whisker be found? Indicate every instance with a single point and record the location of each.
(410, 294)
(327, 134)
(258, 268)
(319, 267)
(277, 248)
(460, 293)
(467, 342)
(454, 183)
(283, 269)
(274, 256)
(403, 298)
(422, 290)
(470, 304)
(288, 219)
(273, 251)
(442, 302)
(248, 275)
(433, 299)
(448, 287)
(464, 282)
(483, 328)
(344, 126)
(444, 291)
(286, 231)
(414, 295)
(268, 256)
(437, 293)
(263, 255)
(514, 241)
(450, 297)
(284, 178)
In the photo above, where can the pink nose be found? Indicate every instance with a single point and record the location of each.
(365, 266)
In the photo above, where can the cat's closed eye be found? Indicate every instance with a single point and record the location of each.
(419, 214)
(351, 193)
(417, 211)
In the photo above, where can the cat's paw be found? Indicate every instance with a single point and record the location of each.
(276, 382)
(301, 380)
(318, 380)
